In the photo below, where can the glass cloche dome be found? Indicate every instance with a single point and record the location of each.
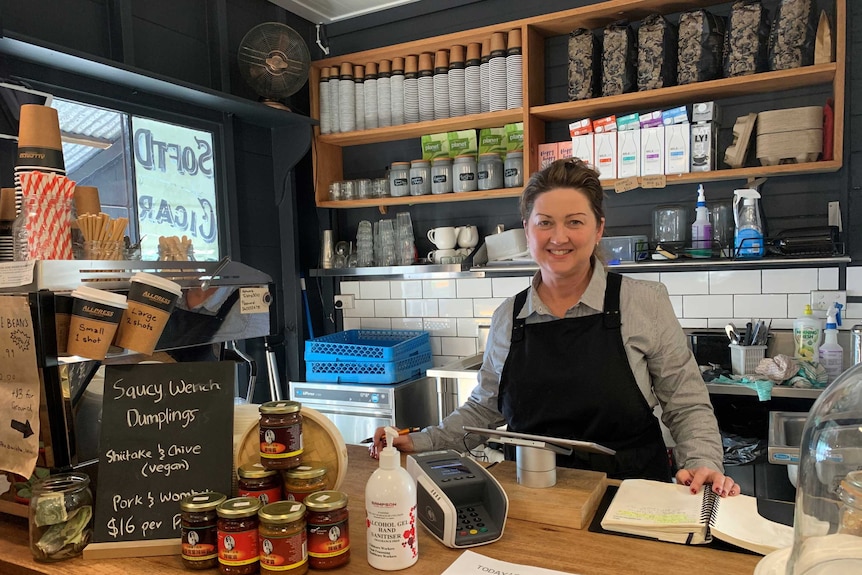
(828, 520)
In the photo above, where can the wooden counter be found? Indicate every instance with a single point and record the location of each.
(568, 550)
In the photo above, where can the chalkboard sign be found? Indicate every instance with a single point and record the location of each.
(167, 432)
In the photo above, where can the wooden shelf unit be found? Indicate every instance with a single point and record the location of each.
(327, 148)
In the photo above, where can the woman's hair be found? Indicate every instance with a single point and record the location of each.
(568, 173)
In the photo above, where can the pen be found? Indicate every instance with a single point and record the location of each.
(404, 431)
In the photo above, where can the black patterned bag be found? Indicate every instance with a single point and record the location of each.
(619, 59)
(657, 50)
(584, 58)
(793, 33)
(701, 39)
(746, 42)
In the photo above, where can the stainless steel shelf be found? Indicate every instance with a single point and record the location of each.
(777, 391)
(428, 271)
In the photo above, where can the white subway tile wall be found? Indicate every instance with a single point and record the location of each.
(451, 310)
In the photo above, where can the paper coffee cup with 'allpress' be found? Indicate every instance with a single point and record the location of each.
(95, 316)
(151, 301)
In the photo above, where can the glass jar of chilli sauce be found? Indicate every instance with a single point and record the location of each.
(280, 434)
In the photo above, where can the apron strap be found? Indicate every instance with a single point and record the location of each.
(518, 323)
(612, 301)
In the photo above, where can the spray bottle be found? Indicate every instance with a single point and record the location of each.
(806, 336)
(701, 229)
(748, 241)
(831, 353)
(390, 512)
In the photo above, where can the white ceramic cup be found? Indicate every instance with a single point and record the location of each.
(444, 238)
(437, 255)
(468, 236)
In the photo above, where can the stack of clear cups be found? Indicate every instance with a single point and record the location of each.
(364, 245)
(385, 253)
(406, 248)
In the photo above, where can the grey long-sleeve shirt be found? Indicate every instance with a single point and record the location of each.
(655, 345)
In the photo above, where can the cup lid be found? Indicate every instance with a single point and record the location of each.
(101, 296)
(158, 281)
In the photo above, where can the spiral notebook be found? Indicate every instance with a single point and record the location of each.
(669, 512)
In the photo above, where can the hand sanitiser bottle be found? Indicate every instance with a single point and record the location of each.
(701, 229)
(831, 353)
(390, 512)
(806, 336)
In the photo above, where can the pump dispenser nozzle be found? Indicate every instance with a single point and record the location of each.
(389, 456)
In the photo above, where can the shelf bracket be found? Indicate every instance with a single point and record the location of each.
(755, 183)
(383, 209)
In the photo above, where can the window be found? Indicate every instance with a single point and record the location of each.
(159, 175)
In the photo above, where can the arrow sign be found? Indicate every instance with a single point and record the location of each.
(24, 428)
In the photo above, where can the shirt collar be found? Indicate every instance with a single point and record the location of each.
(593, 298)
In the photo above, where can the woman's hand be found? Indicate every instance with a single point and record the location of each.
(402, 443)
(722, 485)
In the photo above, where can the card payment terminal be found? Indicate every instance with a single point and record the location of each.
(457, 500)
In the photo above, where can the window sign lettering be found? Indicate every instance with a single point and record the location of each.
(175, 182)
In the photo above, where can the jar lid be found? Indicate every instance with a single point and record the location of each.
(273, 407)
(326, 501)
(206, 501)
(238, 507)
(254, 471)
(465, 157)
(400, 164)
(850, 490)
(441, 161)
(518, 154)
(282, 512)
(418, 162)
(307, 470)
(489, 155)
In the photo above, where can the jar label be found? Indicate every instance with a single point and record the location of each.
(284, 553)
(399, 182)
(199, 543)
(511, 173)
(238, 548)
(328, 540)
(281, 442)
(270, 495)
(483, 175)
(417, 180)
(439, 179)
(467, 176)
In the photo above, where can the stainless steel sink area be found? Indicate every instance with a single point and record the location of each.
(785, 436)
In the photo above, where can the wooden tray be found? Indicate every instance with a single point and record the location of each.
(321, 442)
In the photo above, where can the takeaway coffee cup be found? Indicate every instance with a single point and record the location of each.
(151, 301)
(444, 238)
(95, 316)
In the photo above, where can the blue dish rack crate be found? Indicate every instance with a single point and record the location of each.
(368, 356)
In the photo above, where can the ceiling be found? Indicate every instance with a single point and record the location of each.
(329, 11)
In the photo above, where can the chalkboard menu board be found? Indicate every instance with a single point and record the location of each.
(167, 432)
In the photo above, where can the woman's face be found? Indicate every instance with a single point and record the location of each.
(562, 232)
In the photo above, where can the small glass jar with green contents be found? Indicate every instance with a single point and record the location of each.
(199, 542)
(280, 434)
(283, 549)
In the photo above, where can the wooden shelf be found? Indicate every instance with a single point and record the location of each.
(419, 129)
(328, 149)
(700, 91)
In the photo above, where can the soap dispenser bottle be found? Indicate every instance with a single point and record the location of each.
(701, 229)
(390, 512)
(806, 336)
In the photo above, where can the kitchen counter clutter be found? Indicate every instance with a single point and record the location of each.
(561, 548)
(535, 112)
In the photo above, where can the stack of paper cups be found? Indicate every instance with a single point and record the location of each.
(497, 73)
(39, 146)
(472, 79)
(441, 85)
(411, 89)
(371, 96)
(456, 82)
(396, 91)
(514, 74)
(426, 87)
(347, 99)
(334, 89)
(323, 96)
(484, 86)
(384, 94)
(359, 96)
(7, 216)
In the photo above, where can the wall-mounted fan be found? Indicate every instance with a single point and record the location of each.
(274, 60)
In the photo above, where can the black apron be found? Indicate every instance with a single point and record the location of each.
(571, 378)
